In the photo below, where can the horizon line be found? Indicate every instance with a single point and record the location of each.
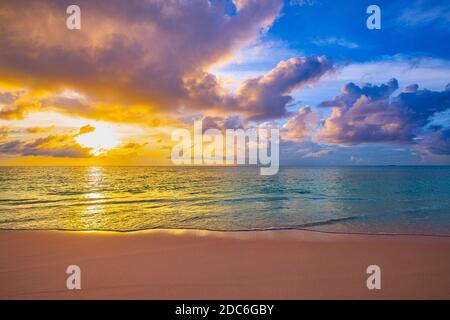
(241, 166)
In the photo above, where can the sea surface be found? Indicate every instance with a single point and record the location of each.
(339, 199)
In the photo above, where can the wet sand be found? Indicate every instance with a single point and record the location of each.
(181, 264)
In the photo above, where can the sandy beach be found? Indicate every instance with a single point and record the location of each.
(222, 265)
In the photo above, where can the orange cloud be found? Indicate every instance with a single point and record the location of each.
(4, 132)
(126, 55)
(86, 129)
(299, 126)
(59, 146)
(33, 130)
(54, 145)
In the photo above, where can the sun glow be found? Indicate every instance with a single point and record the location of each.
(102, 139)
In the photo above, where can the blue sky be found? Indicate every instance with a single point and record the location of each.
(413, 33)
(412, 46)
(338, 28)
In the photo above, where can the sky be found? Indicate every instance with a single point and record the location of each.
(112, 92)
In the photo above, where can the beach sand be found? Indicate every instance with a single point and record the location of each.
(222, 265)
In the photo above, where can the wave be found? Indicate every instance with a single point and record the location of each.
(100, 201)
(162, 228)
(20, 220)
(293, 227)
(34, 201)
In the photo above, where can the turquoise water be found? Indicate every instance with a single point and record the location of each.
(347, 199)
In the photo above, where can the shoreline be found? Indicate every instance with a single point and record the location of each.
(225, 231)
(194, 264)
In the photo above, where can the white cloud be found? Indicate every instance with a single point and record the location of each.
(333, 41)
(416, 15)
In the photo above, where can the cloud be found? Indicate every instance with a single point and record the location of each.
(436, 142)
(138, 54)
(307, 152)
(302, 2)
(299, 126)
(417, 14)
(4, 132)
(222, 123)
(134, 145)
(261, 98)
(7, 98)
(15, 104)
(370, 114)
(266, 97)
(333, 41)
(351, 92)
(86, 129)
(426, 71)
(318, 154)
(51, 146)
(36, 130)
(143, 60)
(58, 146)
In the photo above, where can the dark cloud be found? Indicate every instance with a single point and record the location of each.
(266, 97)
(371, 114)
(7, 98)
(218, 122)
(58, 146)
(351, 92)
(262, 98)
(51, 146)
(436, 142)
(13, 106)
(233, 122)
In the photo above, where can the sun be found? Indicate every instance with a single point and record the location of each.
(102, 139)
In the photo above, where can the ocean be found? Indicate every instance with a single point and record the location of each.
(413, 200)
